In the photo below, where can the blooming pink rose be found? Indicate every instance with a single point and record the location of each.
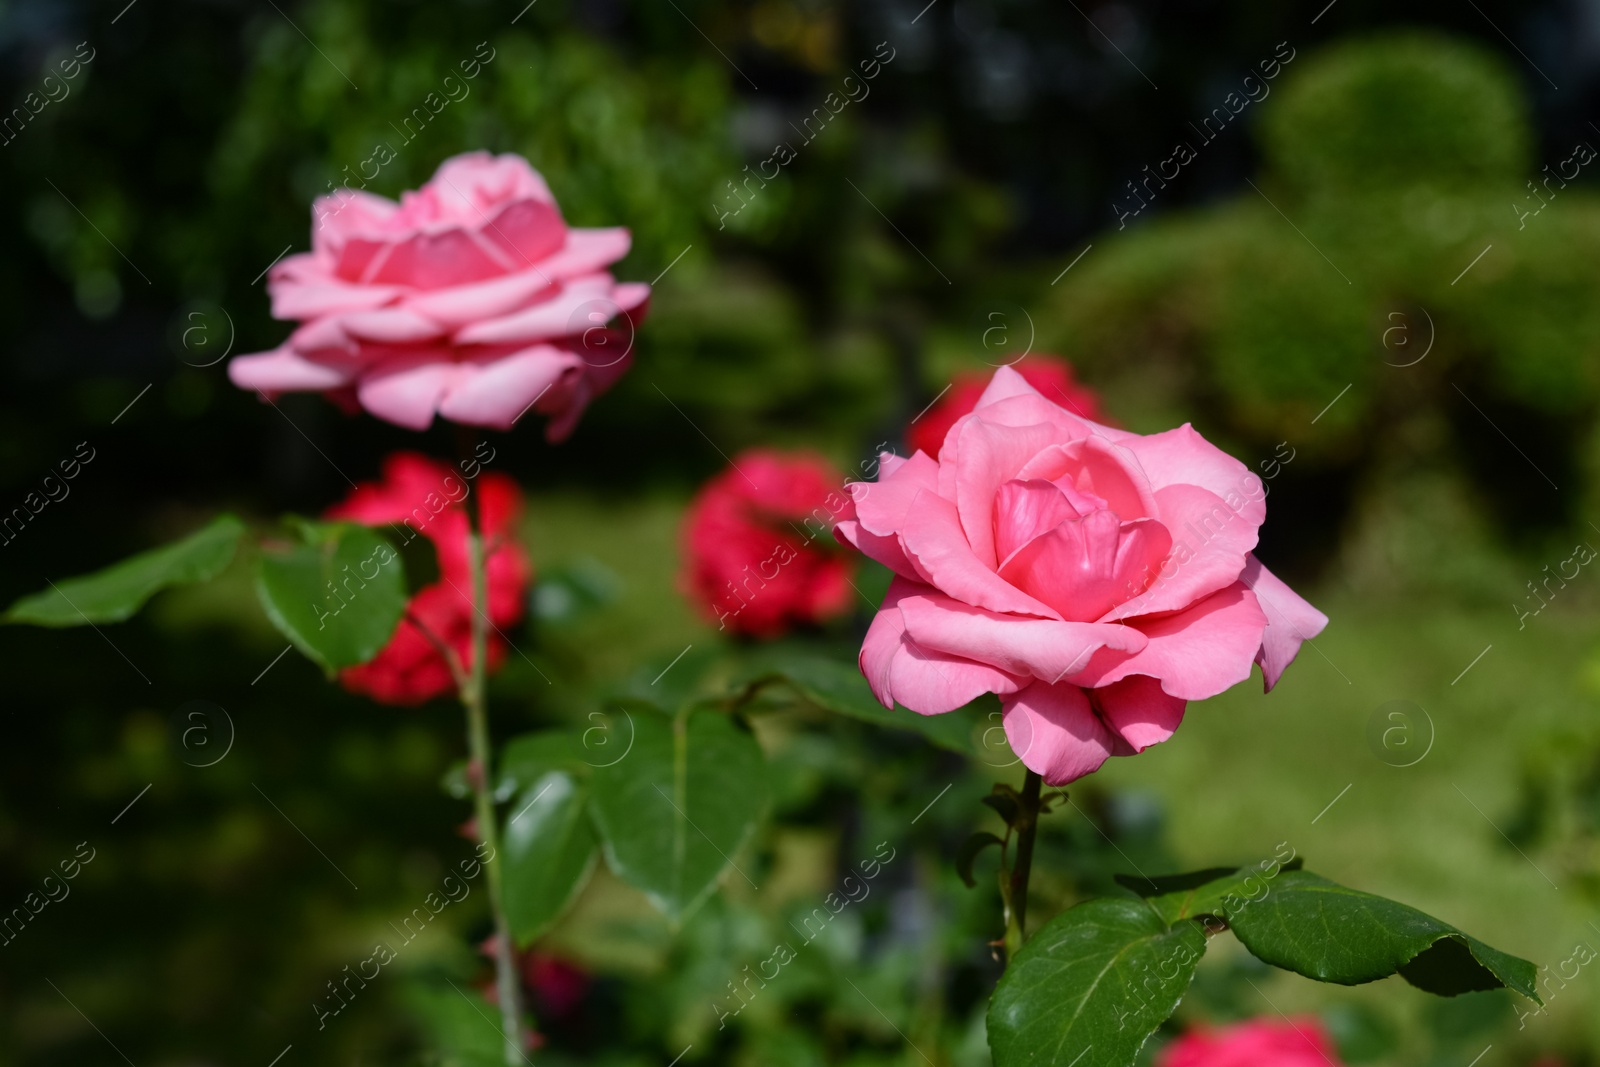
(1298, 1042)
(470, 299)
(1050, 375)
(752, 554)
(1095, 579)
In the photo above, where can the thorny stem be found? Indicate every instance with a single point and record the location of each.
(1016, 900)
(475, 700)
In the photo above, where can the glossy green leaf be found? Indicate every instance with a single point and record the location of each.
(527, 758)
(837, 686)
(1091, 986)
(1326, 931)
(118, 591)
(1216, 891)
(675, 810)
(550, 847)
(337, 595)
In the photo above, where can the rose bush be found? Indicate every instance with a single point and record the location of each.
(418, 495)
(752, 558)
(1298, 1042)
(470, 299)
(1051, 376)
(1095, 579)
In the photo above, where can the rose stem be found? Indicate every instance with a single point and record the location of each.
(1027, 824)
(475, 700)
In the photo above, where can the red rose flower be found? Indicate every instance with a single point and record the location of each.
(1299, 1042)
(418, 495)
(1051, 376)
(757, 556)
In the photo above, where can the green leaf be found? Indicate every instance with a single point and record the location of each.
(677, 808)
(550, 847)
(837, 686)
(118, 591)
(1092, 986)
(527, 758)
(970, 848)
(565, 593)
(1326, 931)
(460, 1026)
(338, 595)
(1216, 891)
(1005, 802)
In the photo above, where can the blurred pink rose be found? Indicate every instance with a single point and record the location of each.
(470, 299)
(1297, 1042)
(1095, 579)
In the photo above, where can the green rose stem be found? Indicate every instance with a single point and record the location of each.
(475, 700)
(1014, 889)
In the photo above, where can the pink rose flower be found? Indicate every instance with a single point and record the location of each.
(470, 299)
(1095, 579)
(1299, 1042)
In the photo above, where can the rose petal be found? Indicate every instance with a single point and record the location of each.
(526, 231)
(496, 394)
(1084, 567)
(1290, 620)
(1210, 543)
(1196, 653)
(1182, 457)
(433, 260)
(881, 506)
(1042, 648)
(937, 546)
(579, 305)
(1055, 732)
(396, 326)
(1024, 509)
(991, 455)
(463, 304)
(407, 392)
(1139, 710)
(296, 299)
(929, 683)
(283, 371)
(586, 251)
(1108, 471)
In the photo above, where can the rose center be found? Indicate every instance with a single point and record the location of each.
(1067, 548)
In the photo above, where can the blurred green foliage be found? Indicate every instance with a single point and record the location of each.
(1391, 296)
